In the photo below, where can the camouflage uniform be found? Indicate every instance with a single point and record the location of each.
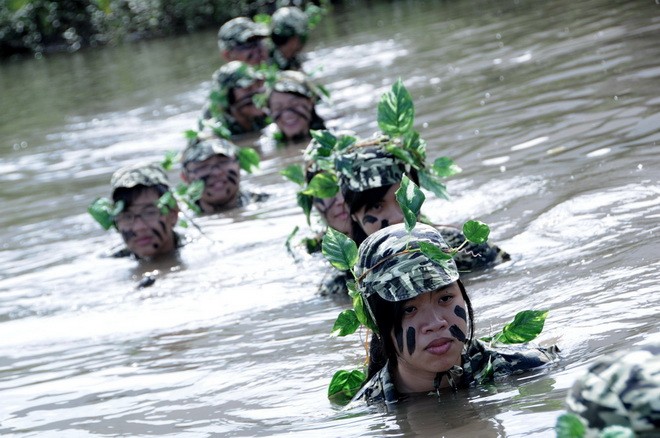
(204, 149)
(371, 167)
(387, 267)
(288, 22)
(239, 30)
(505, 361)
(148, 175)
(234, 74)
(621, 389)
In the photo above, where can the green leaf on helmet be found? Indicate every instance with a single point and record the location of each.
(410, 199)
(396, 112)
(323, 185)
(294, 173)
(347, 323)
(339, 249)
(326, 141)
(248, 159)
(434, 253)
(476, 231)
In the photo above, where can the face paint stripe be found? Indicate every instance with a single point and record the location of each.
(369, 219)
(398, 334)
(410, 340)
(384, 224)
(457, 333)
(460, 312)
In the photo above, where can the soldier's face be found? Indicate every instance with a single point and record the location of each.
(432, 333)
(146, 232)
(253, 52)
(334, 212)
(291, 112)
(221, 176)
(380, 213)
(243, 103)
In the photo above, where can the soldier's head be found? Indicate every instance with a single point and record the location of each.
(146, 227)
(423, 314)
(241, 39)
(291, 104)
(214, 161)
(289, 30)
(234, 86)
(369, 177)
(621, 389)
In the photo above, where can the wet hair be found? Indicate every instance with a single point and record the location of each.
(388, 315)
(356, 200)
(130, 194)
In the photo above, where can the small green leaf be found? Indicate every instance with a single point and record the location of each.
(616, 431)
(445, 167)
(347, 323)
(526, 326)
(400, 153)
(432, 182)
(345, 141)
(326, 141)
(305, 202)
(323, 185)
(570, 426)
(183, 223)
(396, 112)
(195, 190)
(168, 161)
(435, 253)
(248, 159)
(410, 199)
(339, 249)
(344, 385)
(102, 211)
(262, 18)
(190, 134)
(166, 203)
(294, 173)
(476, 231)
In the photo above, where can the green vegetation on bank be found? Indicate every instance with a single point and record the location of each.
(36, 26)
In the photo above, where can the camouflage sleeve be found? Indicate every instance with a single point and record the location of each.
(378, 390)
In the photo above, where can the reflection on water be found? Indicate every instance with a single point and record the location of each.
(550, 109)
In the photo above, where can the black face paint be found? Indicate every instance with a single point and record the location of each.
(460, 312)
(232, 177)
(384, 224)
(457, 333)
(410, 339)
(398, 334)
(369, 219)
(127, 235)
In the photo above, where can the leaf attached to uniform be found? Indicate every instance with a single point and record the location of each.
(476, 231)
(248, 159)
(410, 199)
(339, 249)
(347, 323)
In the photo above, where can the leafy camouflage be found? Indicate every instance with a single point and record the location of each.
(206, 148)
(621, 389)
(234, 74)
(477, 359)
(140, 174)
(390, 265)
(288, 22)
(239, 31)
(370, 167)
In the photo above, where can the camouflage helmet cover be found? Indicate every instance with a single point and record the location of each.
(234, 74)
(369, 167)
(203, 149)
(148, 175)
(622, 389)
(289, 21)
(387, 267)
(290, 81)
(239, 31)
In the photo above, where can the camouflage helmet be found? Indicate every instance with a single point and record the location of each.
(291, 81)
(205, 148)
(288, 22)
(621, 389)
(319, 157)
(234, 74)
(149, 175)
(239, 31)
(387, 267)
(369, 167)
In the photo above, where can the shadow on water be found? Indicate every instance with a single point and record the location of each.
(551, 109)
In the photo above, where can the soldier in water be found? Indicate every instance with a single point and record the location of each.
(289, 29)
(241, 39)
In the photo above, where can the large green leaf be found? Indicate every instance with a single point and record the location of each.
(323, 185)
(295, 173)
(326, 141)
(445, 167)
(104, 211)
(526, 326)
(347, 323)
(476, 231)
(344, 385)
(339, 249)
(410, 199)
(432, 182)
(570, 426)
(248, 159)
(396, 112)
